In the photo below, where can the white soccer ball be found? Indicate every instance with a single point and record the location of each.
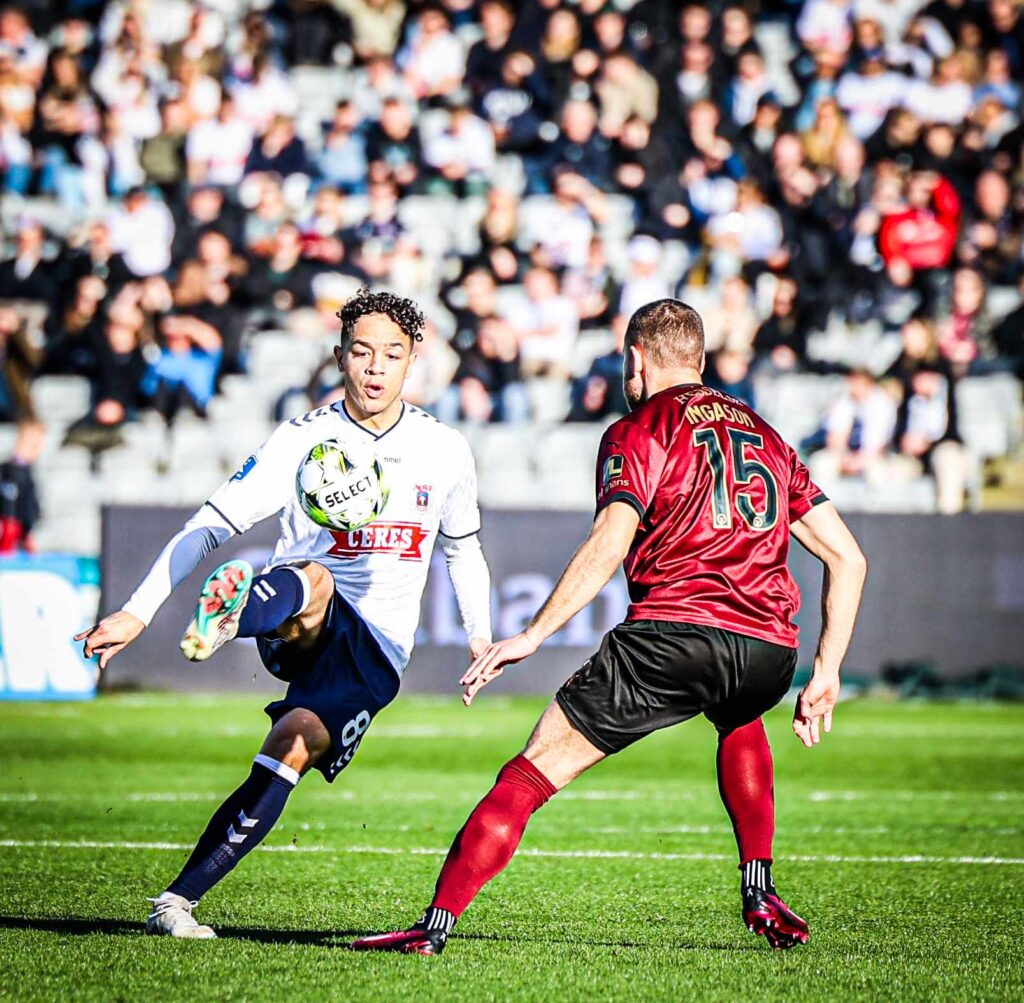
(340, 484)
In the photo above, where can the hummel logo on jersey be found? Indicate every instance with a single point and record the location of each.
(402, 539)
(244, 469)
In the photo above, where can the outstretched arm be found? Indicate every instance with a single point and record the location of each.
(203, 533)
(259, 489)
(824, 534)
(586, 574)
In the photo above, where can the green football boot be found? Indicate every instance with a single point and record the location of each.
(218, 611)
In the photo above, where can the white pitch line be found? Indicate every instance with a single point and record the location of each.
(423, 851)
(320, 793)
(880, 796)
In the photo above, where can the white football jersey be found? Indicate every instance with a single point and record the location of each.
(381, 569)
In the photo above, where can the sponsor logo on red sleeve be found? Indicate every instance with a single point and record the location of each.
(612, 478)
(403, 540)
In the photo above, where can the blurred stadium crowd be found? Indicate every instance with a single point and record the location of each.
(191, 189)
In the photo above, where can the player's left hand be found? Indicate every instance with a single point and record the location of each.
(814, 708)
(490, 664)
(477, 646)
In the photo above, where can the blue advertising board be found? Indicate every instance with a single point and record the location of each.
(44, 600)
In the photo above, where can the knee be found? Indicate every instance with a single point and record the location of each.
(752, 733)
(321, 589)
(298, 740)
(321, 582)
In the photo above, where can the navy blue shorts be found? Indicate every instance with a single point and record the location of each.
(345, 680)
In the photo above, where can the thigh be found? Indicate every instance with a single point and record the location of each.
(345, 680)
(766, 677)
(645, 676)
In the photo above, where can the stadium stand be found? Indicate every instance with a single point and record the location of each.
(191, 190)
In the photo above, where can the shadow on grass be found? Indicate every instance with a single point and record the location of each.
(121, 928)
(76, 926)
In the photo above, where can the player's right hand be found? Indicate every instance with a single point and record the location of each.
(110, 635)
(492, 661)
(814, 708)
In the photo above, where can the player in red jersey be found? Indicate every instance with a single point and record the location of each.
(700, 496)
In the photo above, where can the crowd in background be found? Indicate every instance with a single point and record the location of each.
(882, 188)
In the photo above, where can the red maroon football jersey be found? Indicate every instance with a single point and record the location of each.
(716, 489)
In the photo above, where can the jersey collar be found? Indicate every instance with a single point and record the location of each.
(369, 431)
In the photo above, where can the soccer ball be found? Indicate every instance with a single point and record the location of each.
(340, 484)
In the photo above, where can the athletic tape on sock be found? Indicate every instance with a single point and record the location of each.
(282, 770)
(307, 588)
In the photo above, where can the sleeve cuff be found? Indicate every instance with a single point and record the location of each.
(798, 512)
(623, 496)
(458, 536)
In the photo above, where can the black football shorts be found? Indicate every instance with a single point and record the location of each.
(650, 674)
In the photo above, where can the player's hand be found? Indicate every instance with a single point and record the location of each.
(814, 708)
(477, 646)
(110, 635)
(491, 662)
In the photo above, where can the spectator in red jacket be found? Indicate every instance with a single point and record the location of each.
(924, 233)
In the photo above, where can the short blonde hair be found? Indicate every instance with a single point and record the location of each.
(670, 333)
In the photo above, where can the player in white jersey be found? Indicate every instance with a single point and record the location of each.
(333, 613)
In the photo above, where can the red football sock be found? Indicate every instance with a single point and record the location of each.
(485, 844)
(746, 783)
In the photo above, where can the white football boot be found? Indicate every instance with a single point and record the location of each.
(172, 917)
(218, 611)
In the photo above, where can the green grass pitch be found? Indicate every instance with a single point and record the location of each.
(899, 838)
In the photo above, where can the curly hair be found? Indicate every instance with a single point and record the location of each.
(406, 314)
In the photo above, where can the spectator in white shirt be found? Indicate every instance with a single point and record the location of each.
(200, 92)
(867, 95)
(548, 327)
(463, 153)
(825, 24)
(892, 15)
(645, 282)
(29, 51)
(433, 61)
(750, 84)
(268, 94)
(945, 98)
(374, 84)
(858, 430)
(750, 232)
(216, 150)
(563, 229)
(141, 230)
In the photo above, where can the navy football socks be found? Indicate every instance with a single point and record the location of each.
(237, 826)
(274, 597)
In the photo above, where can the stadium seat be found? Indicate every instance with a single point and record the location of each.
(589, 346)
(8, 436)
(431, 221)
(795, 404)
(502, 487)
(989, 413)
(69, 530)
(902, 496)
(549, 399)
(507, 446)
(61, 398)
(865, 346)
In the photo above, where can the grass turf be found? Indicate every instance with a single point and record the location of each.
(653, 916)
